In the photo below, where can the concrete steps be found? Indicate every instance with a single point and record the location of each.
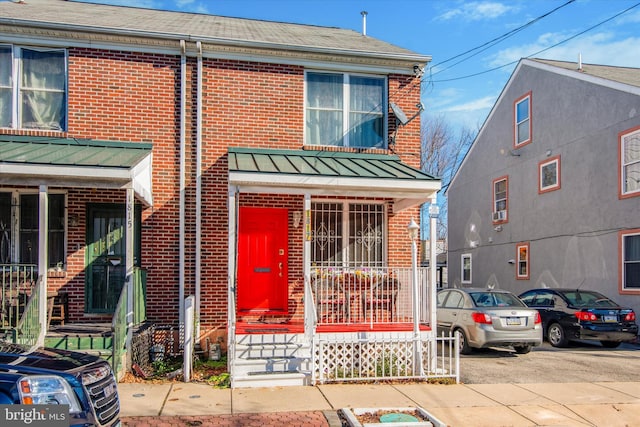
(268, 360)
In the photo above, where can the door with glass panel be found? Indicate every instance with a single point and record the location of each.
(105, 256)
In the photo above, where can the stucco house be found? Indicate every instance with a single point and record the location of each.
(549, 193)
(267, 170)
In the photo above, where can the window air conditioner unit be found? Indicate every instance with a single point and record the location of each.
(500, 216)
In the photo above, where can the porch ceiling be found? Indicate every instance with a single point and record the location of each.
(70, 162)
(330, 173)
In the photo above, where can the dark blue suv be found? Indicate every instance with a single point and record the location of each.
(576, 314)
(49, 376)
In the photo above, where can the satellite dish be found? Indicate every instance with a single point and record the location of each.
(400, 115)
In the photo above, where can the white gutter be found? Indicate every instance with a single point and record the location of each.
(183, 106)
(198, 187)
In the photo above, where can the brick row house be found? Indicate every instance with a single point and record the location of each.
(256, 166)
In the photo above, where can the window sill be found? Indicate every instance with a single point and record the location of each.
(56, 274)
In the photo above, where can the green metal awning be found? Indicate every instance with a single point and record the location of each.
(70, 162)
(335, 173)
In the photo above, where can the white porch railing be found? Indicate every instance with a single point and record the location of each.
(385, 358)
(368, 295)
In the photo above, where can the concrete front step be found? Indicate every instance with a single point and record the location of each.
(271, 365)
(270, 379)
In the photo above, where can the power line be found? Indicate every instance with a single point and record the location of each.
(496, 40)
(542, 50)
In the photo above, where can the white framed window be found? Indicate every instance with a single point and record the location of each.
(346, 234)
(629, 241)
(522, 120)
(345, 110)
(522, 256)
(500, 200)
(33, 88)
(629, 146)
(19, 228)
(549, 175)
(465, 268)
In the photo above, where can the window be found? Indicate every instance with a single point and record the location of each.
(522, 113)
(630, 163)
(630, 258)
(23, 249)
(500, 199)
(549, 175)
(345, 110)
(465, 263)
(33, 86)
(348, 234)
(522, 254)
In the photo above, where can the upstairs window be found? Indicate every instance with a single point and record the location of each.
(348, 234)
(33, 84)
(345, 110)
(522, 253)
(629, 163)
(500, 199)
(522, 114)
(549, 175)
(630, 254)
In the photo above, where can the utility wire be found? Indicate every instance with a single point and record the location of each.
(495, 41)
(542, 50)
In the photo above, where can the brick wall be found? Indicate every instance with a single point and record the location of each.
(136, 97)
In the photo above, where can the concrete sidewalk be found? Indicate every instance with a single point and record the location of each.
(558, 404)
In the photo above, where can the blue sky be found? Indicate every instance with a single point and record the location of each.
(463, 89)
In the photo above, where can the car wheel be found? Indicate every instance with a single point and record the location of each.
(522, 349)
(556, 336)
(464, 346)
(610, 344)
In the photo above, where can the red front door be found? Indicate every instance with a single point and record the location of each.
(262, 261)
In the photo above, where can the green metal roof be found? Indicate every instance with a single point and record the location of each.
(330, 173)
(71, 152)
(70, 162)
(323, 163)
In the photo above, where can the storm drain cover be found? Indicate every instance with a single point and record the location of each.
(398, 417)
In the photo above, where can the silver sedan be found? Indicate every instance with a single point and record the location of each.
(488, 318)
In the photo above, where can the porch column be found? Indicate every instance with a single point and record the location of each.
(128, 281)
(309, 305)
(434, 211)
(231, 279)
(43, 260)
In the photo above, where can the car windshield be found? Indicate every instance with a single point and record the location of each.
(495, 299)
(580, 298)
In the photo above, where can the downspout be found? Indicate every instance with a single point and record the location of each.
(43, 260)
(181, 232)
(198, 187)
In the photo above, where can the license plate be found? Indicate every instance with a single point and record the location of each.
(513, 321)
(610, 318)
(109, 390)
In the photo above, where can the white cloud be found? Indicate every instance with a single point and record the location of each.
(599, 48)
(472, 106)
(477, 11)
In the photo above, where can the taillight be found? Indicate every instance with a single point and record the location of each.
(537, 319)
(586, 316)
(481, 318)
(630, 317)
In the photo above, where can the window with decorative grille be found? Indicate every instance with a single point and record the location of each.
(348, 234)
